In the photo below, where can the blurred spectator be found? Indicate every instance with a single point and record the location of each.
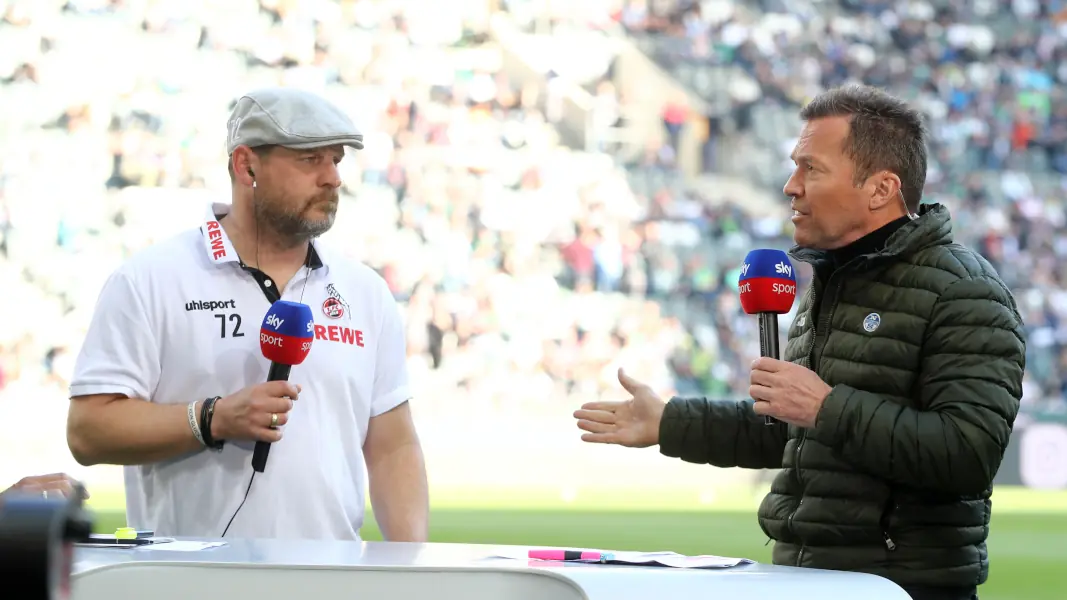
(528, 271)
(991, 78)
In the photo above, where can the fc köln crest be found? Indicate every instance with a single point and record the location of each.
(335, 306)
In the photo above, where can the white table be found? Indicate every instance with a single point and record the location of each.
(310, 570)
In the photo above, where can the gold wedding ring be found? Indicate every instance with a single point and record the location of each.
(273, 420)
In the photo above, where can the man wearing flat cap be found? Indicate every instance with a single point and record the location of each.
(170, 380)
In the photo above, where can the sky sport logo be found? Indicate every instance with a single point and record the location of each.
(210, 305)
(270, 340)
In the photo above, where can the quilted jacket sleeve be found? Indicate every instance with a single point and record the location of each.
(971, 385)
(720, 433)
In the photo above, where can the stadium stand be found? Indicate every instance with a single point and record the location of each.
(989, 76)
(528, 269)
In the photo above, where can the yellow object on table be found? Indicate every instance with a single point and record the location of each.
(126, 533)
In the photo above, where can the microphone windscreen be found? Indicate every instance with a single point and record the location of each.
(287, 332)
(768, 282)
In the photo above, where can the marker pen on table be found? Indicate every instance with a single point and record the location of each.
(570, 555)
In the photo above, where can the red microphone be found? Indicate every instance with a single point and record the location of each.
(768, 286)
(285, 339)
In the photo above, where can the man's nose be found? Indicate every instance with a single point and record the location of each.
(332, 178)
(793, 186)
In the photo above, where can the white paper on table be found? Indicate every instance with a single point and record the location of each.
(183, 546)
(665, 559)
(678, 561)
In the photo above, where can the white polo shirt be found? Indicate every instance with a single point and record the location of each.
(180, 322)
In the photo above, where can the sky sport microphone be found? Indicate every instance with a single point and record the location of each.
(768, 286)
(285, 339)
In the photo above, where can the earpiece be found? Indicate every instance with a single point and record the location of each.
(253, 176)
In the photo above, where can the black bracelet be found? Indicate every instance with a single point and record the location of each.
(204, 428)
(207, 411)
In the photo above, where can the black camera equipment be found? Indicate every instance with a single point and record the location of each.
(37, 536)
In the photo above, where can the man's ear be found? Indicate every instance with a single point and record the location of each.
(884, 190)
(243, 159)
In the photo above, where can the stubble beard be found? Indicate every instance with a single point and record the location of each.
(290, 226)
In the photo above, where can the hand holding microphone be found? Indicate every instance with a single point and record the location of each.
(256, 412)
(787, 392)
(247, 414)
(768, 286)
(782, 390)
(285, 339)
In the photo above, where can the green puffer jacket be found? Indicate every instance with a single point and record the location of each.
(924, 349)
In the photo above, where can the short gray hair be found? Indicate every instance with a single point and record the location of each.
(884, 134)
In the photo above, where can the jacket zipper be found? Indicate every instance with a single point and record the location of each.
(811, 348)
(889, 543)
(817, 327)
(800, 440)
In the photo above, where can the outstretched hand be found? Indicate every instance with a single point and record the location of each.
(633, 423)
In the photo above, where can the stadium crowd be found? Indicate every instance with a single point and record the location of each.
(527, 270)
(990, 76)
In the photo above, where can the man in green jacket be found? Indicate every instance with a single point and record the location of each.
(902, 374)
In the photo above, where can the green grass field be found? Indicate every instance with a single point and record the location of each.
(1027, 545)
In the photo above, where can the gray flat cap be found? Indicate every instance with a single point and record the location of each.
(289, 117)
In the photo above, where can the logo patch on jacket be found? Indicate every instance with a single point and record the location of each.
(871, 322)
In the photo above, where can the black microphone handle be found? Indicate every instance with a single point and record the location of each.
(278, 372)
(768, 344)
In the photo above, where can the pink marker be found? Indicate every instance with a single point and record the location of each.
(570, 555)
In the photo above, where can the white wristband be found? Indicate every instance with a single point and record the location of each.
(191, 413)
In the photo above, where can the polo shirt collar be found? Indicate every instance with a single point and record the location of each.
(220, 250)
